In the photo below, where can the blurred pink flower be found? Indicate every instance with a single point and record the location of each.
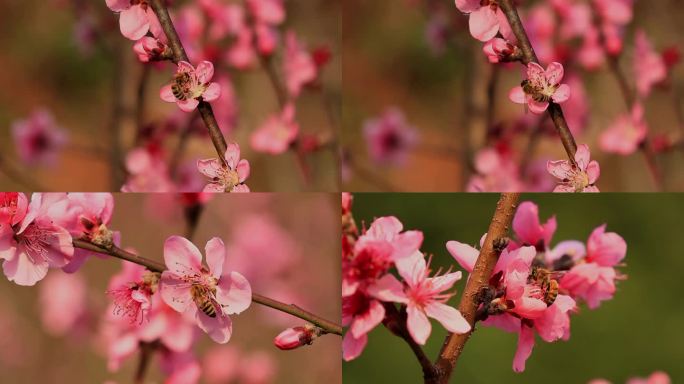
(270, 12)
(423, 296)
(499, 50)
(180, 367)
(38, 139)
(389, 137)
(228, 177)
(150, 49)
(63, 304)
(541, 87)
(649, 66)
(626, 134)
(576, 178)
(576, 108)
(299, 67)
(136, 18)
(226, 106)
(241, 54)
(36, 242)
(147, 172)
(190, 86)
(486, 18)
(277, 133)
(208, 294)
(497, 171)
(226, 364)
(658, 377)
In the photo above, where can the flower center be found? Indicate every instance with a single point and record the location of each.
(540, 91)
(35, 240)
(228, 178)
(578, 180)
(186, 86)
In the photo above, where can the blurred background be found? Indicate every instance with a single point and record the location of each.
(420, 59)
(634, 334)
(269, 238)
(68, 57)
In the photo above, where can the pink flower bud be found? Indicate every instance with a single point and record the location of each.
(296, 337)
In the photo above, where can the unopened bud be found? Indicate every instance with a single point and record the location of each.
(296, 337)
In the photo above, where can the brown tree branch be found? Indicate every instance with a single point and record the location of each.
(479, 278)
(154, 266)
(179, 55)
(529, 56)
(395, 322)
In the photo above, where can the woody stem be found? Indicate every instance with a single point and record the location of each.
(179, 55)
(529, 56)
(154, 266)
(478, 279)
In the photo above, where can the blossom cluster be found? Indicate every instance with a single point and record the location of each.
(534, 288)
(148, 306)
(235, 36)
(368, 286)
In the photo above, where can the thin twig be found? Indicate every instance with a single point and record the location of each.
(529, 56)
(479, 278)
(395, 321)
(146, 351)
(154, 266)
(179, 55)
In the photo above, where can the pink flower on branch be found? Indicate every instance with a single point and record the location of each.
(136, 18)
(541, 87)
(151, 49)
(486, 19)
(298, 65)
(208, 294)
(131, 291)
(36, 242)
(228, 176)
(649, 65)
(296, 337)
(423, 296)
(576, 178)
(190, 86)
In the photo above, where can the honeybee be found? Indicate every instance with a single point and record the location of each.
(547, 281)
(178, 88)
(529, 89)
(202, 297)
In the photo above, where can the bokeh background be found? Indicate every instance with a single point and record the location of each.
(388, 61)
(287, 245)
(44, 65)
(636, 333)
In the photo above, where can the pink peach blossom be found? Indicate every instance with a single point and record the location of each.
(298, 65)
(38, 139)
(228, 175)
(486, 19)
(423, 296)
(499, 50)
(277, 133)
(361, 313)
(131, 291)
(136, 18)
(36, 243)
(150, 49)
(649, 66)
(242, 54)
(293, 338)
(191, 86)
(180, 367)
(528, 229)
(497, 171)
(90, 213)
(187, 280)
(389, 137)
(626, 134)
(576, 178)
(541, 87)
(271, 12)
(13, 206)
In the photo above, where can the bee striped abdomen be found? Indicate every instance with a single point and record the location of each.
(202, 298)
